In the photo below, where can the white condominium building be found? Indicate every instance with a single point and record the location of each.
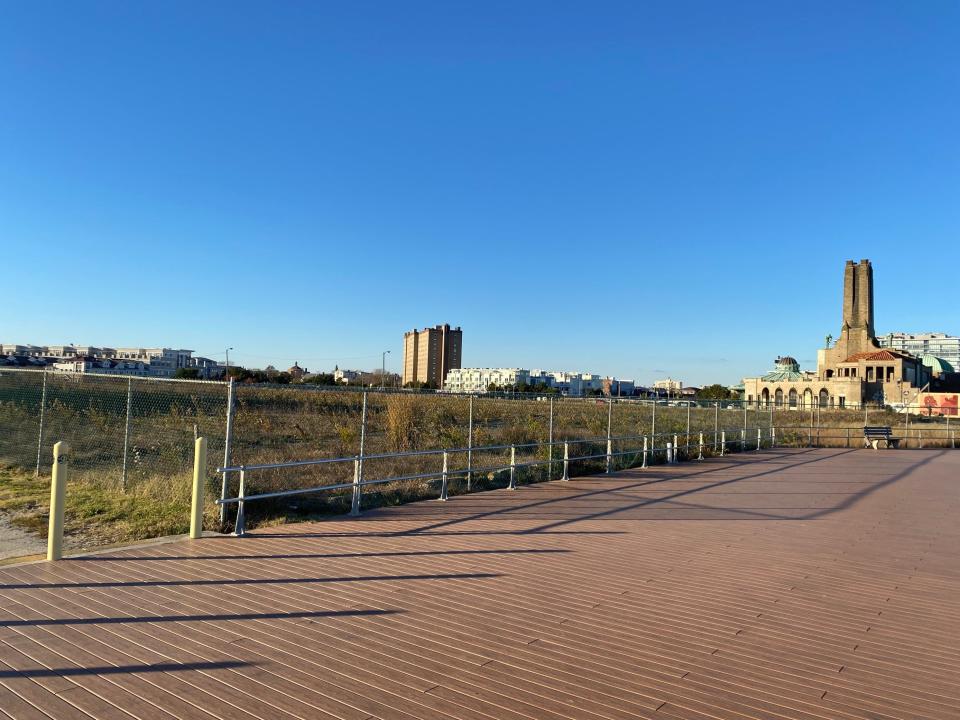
(939, 345)
(476, 380)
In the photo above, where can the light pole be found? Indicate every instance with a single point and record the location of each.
(227, 351)
(383, 367)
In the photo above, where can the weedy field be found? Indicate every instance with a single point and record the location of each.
(132, 445)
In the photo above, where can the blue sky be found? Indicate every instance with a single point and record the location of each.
(628, 188)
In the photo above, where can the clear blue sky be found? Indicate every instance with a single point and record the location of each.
(623, 187)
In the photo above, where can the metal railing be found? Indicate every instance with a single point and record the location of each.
(645, 453)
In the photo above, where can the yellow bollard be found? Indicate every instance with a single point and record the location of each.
(199, 477)
(58, 496)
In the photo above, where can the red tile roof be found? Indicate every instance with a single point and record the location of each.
(875, 355)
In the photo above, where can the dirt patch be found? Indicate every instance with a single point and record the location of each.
(15, 542)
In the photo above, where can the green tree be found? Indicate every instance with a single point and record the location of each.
(187, 373)
(714, 392)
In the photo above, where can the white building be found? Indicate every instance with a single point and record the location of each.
(101, 366)
(669, 386)
(477, 380)
(939, 345)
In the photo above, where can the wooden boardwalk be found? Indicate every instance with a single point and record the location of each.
(813, 584)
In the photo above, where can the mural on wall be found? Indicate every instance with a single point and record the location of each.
(939, 403)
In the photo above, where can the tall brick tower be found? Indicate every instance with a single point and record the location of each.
(856, 333)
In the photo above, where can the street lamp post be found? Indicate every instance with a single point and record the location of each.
(383, 367)
(227, 351)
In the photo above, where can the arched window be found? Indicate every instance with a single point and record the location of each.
(807, 398)
(778, 398)
(824, 398)
(765, 397)
(793, 398)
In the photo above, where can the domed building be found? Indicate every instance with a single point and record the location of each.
(854, 371)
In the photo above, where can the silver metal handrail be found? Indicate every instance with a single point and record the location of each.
(670, 449)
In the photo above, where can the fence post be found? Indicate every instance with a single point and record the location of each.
(241, 527)
(550, 444)
(355, 500)
(43, 407)
(443, 476)
(513, 468)
(58, 497)
(609, 430)
(723, 442)
(653, 432)
(644, 452)
(773, 437)
(920, 438)
(126, 436)
(566, 461)
(687, 445)
(952, 440)
(716, 424)
(700, 447)
(848, 437)
(743, 440)
(676, 448)
(470, 446)
(199, 483)
(759, 439)
(227, 442)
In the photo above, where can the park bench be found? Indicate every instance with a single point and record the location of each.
(873, 434)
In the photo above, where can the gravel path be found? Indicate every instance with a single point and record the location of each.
(15, 542)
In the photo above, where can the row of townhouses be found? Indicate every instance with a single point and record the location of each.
(142, 362)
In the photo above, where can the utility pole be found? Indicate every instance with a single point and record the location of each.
(383, 367)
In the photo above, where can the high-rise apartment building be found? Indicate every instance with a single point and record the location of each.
(430, 353)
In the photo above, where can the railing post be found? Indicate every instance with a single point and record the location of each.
(773, 437)
(669, 453)
(443, 476)
(228, 437)
(355, 500)
(470, 445)
(199, 485)
(848, 437)
(676, 449)
(920, 438)
(759, 439)
(644, 452)
(609, 454)
(743, 440)
(952, 440)
(566, 461)
(43, 407)
(58, 497)
(723, 442)
(700, 447)
(513, 468)
(241, 527)
(609, 431)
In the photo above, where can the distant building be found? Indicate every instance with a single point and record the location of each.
(296, 372)
(101, 366)
(478, 380)
(612, 387)
(669, 386)
(429, 354)
(854, 371)
(938, 345)
(158, 362)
